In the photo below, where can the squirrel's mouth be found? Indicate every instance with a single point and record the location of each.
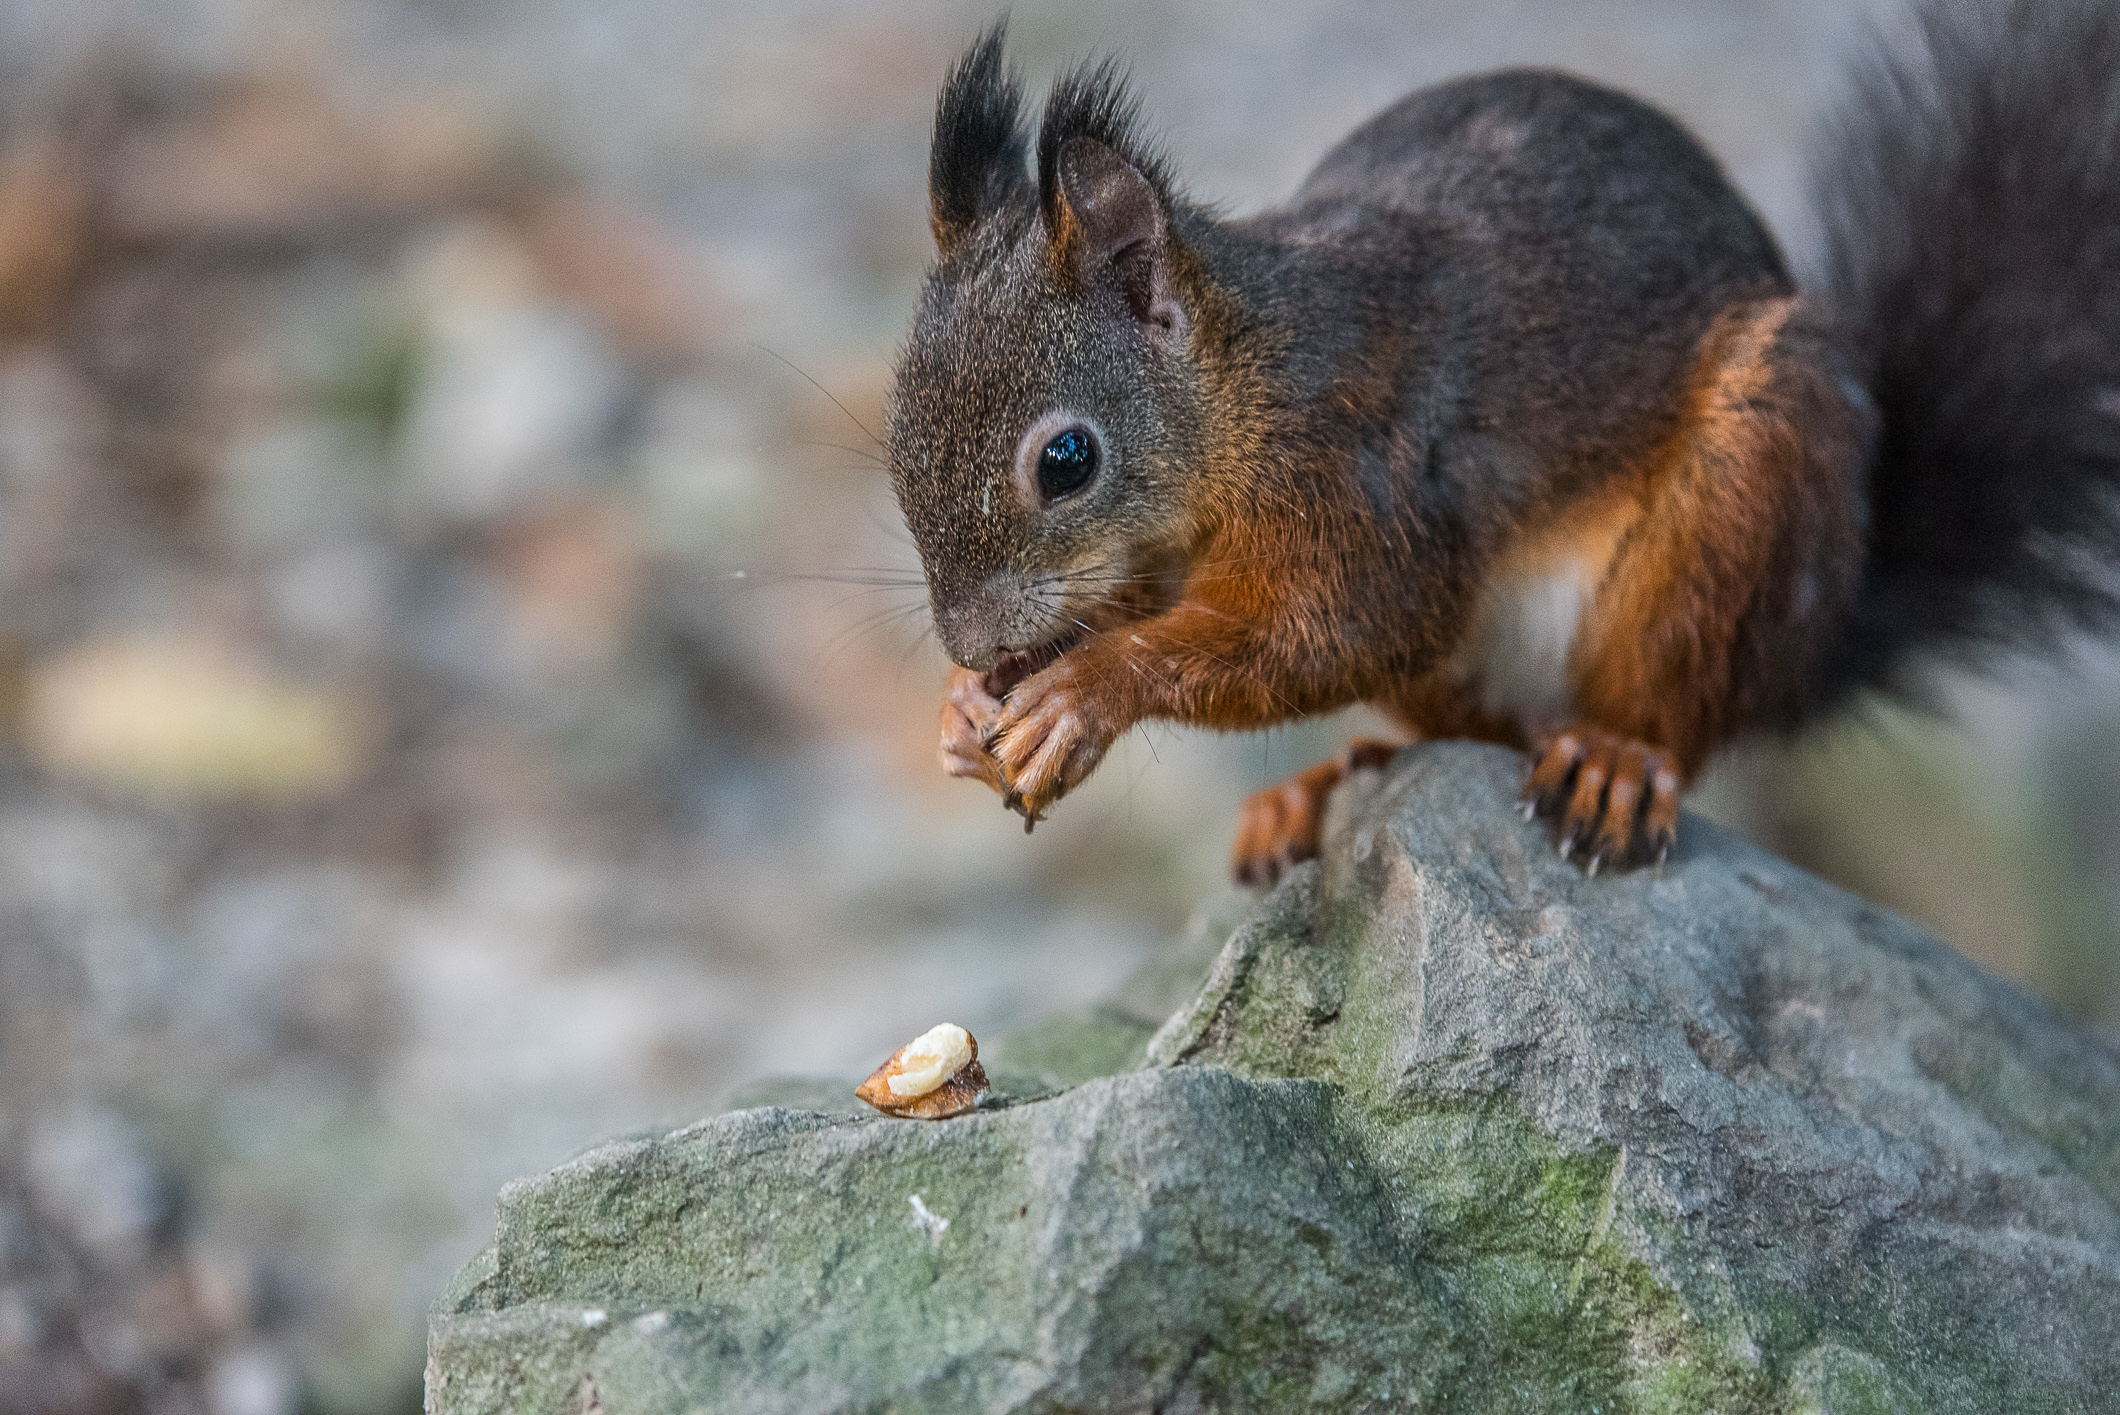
(1015, 665)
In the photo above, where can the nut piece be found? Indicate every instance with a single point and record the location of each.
(932, 1077)
(931, 1058)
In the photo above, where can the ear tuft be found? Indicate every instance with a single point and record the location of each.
(1094, 102)
(1106, 197)
(976, 161)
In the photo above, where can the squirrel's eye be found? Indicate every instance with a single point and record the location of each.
(1067, 463)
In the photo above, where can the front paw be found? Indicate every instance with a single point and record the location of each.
(1051, 734)
(969, 713)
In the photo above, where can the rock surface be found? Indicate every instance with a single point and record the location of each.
(1449, 1126)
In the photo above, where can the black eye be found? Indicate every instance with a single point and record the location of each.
(1067, 463)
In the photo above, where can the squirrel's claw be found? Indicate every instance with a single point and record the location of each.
(1050, 735)
(1612, 796)
(968, 713)
(1281, 826)
(1012, 801)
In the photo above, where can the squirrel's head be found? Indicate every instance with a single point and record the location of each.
(1046, 405)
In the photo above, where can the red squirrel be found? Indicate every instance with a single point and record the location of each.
(1512, 422)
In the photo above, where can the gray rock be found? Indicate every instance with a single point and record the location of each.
(1449, 1127)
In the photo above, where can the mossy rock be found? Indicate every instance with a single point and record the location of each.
(1449, 1127)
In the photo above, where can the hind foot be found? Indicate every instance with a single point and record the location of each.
(1611, 798)
(1279, 827)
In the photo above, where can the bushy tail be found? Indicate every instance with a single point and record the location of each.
(1971, 204)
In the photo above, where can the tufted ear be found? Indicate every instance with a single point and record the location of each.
(976, 161)
(1111, 229)
(1107, 198)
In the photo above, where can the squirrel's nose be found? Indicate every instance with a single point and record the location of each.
(978, 626)
(967, 631)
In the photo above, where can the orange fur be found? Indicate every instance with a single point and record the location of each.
(1712, 572)
(1717, 569)
(1721, 593)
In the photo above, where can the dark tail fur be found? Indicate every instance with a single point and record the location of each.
(1971, 201)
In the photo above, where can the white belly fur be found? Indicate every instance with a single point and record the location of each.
(1514, 656)
(1515, 661)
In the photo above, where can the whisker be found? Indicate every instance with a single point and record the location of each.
(895, 529)
(867, 579)
(875, 580)
(867, 456)
(867, 621)
(845, 639)
(920, 641)
(857, 422)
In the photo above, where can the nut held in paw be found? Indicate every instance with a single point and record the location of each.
(932, 1077)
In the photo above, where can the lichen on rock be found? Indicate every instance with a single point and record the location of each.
(1449, 1126)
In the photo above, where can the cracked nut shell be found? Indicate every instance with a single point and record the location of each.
(933, 1077)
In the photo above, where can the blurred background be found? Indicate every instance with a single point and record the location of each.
(443, 721)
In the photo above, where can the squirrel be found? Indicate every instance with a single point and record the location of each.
(1512, 423)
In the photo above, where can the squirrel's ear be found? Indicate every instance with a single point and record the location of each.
(1112, 230)
(976, 163)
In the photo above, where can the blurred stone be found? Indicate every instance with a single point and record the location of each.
(251, 1380)
(699, 473)
(162, 1314)
(225, 1287)
(572, 579)
(340, 595)
(297, 486)
(181, 717)
(465, 272)
(20, 1330)
(286, 964)
(631, 274)
(274, 159)
(46, 419)
(89, 1173)
(510, 405)
(115, 1345)
(48, 422)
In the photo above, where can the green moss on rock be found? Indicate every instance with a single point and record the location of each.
(1448, 1127)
